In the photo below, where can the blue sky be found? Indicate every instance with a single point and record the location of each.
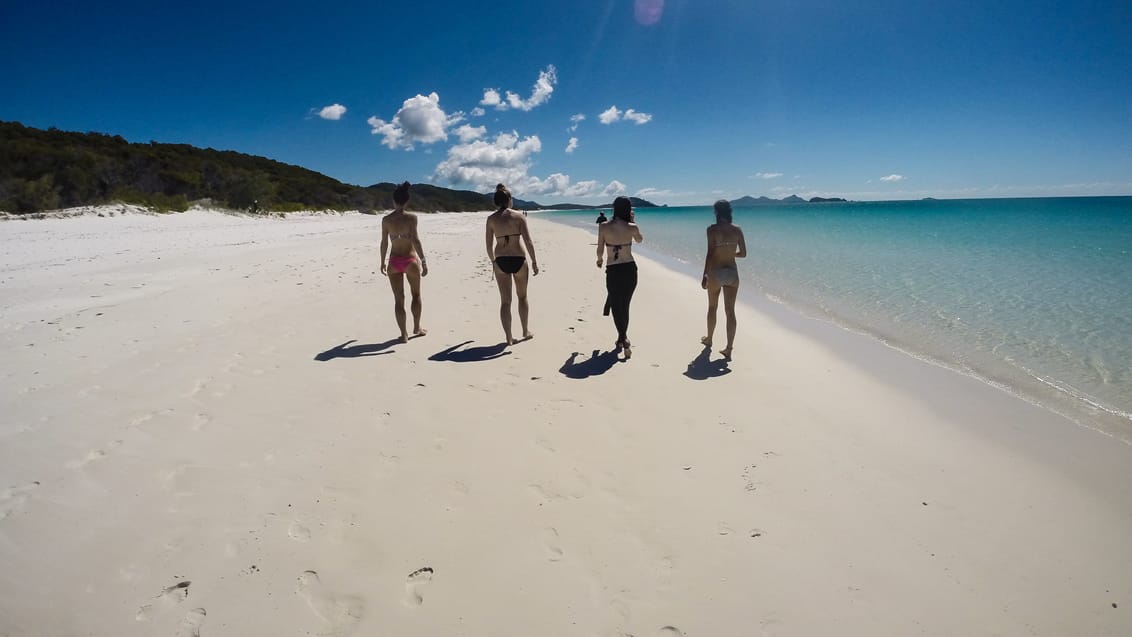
(701, 99)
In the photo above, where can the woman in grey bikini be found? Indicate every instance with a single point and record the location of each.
(505, 228)
(725, 243)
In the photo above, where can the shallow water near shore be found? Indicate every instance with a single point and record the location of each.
(1031, 295)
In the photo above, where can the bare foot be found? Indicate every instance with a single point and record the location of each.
(528, 336)
(420, 331)
(706, 341)
(726, 353)
(628, 349)
(404, 338)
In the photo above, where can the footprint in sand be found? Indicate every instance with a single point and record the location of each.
(298, 532)
(671, 631)
(170, 596)
(201, 421)
(341, 612)
(416, 581)
(12, 499)
(190, 625)
(553, 550)
(94, 455)
(177, 592)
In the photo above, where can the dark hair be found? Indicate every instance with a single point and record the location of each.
(502, 196)
(401, 194)
(723, 211)
(623, 209)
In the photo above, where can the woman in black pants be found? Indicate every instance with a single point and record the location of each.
(617, 236)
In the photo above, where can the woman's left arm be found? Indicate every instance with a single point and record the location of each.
(530, 247)
(742, 244)
(419, 249)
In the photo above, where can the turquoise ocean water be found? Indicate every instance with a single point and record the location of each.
(1032, 295)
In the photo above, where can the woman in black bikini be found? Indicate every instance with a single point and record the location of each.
(725, 243)
(618, 235)
(406, 260)
(504, 229)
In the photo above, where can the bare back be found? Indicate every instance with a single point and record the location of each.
(725, 243)
(617, 238)
(400, 230)
(510, 230)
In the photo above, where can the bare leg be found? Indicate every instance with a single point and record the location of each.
(729, 294)
(521, 280)
(504, 281)
(414, 276)
(397, 282)
(712, 306)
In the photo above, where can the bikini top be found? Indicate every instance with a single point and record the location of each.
(617, 249)
(507, 237)
(403, 235)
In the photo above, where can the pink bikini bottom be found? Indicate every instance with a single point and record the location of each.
(398, 265)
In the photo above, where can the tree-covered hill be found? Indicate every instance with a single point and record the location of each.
(50, 169)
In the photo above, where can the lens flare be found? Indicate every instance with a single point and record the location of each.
(648, 12)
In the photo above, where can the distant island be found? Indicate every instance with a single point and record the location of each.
(51, 169)
(530, 205)
(749, 202)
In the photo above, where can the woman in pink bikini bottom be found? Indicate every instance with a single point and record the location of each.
(406, 260)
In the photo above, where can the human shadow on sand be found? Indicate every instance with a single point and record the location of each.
(346, 350)
(471, 354)
(703, 368)
(597, 364)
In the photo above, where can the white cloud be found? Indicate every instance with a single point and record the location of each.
(767, 175)
(478, 112)
(613, 114)
(507, 159)
(575, 120)
(610, 115)
(559, 185)
(482, 164)
(491, 98)
(893, 178)
(420, 120)
(614, 188)
(468, 133)
(637, 116)
(644, 193)
(333, 112)
(573, 143)
(540, 93)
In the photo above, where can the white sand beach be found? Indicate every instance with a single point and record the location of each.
(207, 427)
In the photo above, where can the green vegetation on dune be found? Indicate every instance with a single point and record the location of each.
(50, 169)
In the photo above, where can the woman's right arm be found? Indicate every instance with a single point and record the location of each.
(384, 244)
(490, 249)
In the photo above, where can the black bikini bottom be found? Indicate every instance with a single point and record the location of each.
(510, 265)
